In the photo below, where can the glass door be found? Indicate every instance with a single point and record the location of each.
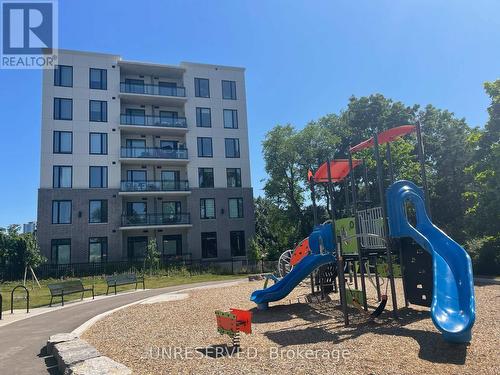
(171, 211)
(137, 180)
(169, 148)
(167, 88)
(135, 116)
(172, 245)
(136, 148)
(137, 212)
(135, 86)
(170, 180)
(168, 117)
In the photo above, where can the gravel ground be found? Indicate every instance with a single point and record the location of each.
(294, 337)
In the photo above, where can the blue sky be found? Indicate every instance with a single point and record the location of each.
(303, 58)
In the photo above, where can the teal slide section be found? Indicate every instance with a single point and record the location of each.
(453, 305)
(322, 252)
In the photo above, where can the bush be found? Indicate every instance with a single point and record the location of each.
(485, 254)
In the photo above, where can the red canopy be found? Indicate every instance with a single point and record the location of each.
(385, 137)
(339, 169)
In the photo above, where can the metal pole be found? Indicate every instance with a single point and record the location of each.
(358, 231)
(340, 261)
(396, 242)
(421, 160)
(377, 281)
(380, 176)
(313, 198)
(367, 185)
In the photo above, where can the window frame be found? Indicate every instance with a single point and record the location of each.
(102, 136)
(57, 242)
(203, 209)
(104, 203)
(204, 237)
(199, 179)
(232, 89)
(59, 175)
(234, 118)
(58, 75)
(56, 134)
(200, 142)
(199, 122)
(104, 252)
(197, 81)
(238, 206)
(103, 113)
(238, 177)
(237, 151)
(239, 232)
(58, 202)
(57, 109)
(101, 79)
(104, 176)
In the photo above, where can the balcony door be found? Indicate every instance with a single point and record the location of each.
(170, 180)
(167, 88)
(136, 247)
(172, 245)
(171, 211)
(135, 86)
(136, 116)
(169, 148)
(137, 212)
(136, 180)
(136, 148)
(168, 117)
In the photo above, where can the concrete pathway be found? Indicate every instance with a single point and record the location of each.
(22, 343)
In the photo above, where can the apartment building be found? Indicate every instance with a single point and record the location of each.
(133, 151)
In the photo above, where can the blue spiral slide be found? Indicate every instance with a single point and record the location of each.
(322, 252)
(453, 304)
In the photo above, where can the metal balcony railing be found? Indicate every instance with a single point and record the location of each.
(146, 120)
(164, 185)
(155, 219)
(153, 153)
(147, 89)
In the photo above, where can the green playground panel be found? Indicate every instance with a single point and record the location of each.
(381, 268)
(346, 228)
(357, 294)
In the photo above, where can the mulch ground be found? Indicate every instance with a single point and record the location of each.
(294, 337)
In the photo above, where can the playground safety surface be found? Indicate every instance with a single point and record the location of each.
(179, 336)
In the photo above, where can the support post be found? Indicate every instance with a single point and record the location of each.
(421, 160)
(380, 180)
(358, 230)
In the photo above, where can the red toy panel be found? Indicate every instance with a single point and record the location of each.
(300, 252)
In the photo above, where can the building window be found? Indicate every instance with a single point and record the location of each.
(98, 249)
(209, 244)
(98, 79)
(201, 88)
(63, 76)
(98, 111)
(172, 245)
(136, 247)
(203, 117)
(207, 208)
(63, 109)
(62, 176)
(206, 177)
(63, 142)
(61, 212)
(235, 208)
(233, 177)
(229, 90)
(98, 177)
(98, 211)
(61, 251)
(232, 147)
(205, 147)
(237, 239)
(98, 143)
(231, 119)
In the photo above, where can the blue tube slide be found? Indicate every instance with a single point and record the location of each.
(453, 304)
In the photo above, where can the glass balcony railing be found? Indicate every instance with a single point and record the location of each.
(154, 153)
(143, 120)
(155, 219)
(146, 89)
(165, 185)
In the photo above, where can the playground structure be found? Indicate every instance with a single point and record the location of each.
(232, 323)
(436, 271)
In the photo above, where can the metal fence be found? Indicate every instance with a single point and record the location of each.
(234, 266)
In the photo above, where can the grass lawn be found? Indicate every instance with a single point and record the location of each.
(41, 296)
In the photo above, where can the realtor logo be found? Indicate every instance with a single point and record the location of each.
(29, 34)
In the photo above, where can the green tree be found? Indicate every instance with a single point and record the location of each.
(152, 256)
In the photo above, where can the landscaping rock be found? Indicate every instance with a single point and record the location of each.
(70, 352)
(98, 366)
(56, 339)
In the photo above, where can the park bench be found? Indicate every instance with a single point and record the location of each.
(64, 288)
(126, 279)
